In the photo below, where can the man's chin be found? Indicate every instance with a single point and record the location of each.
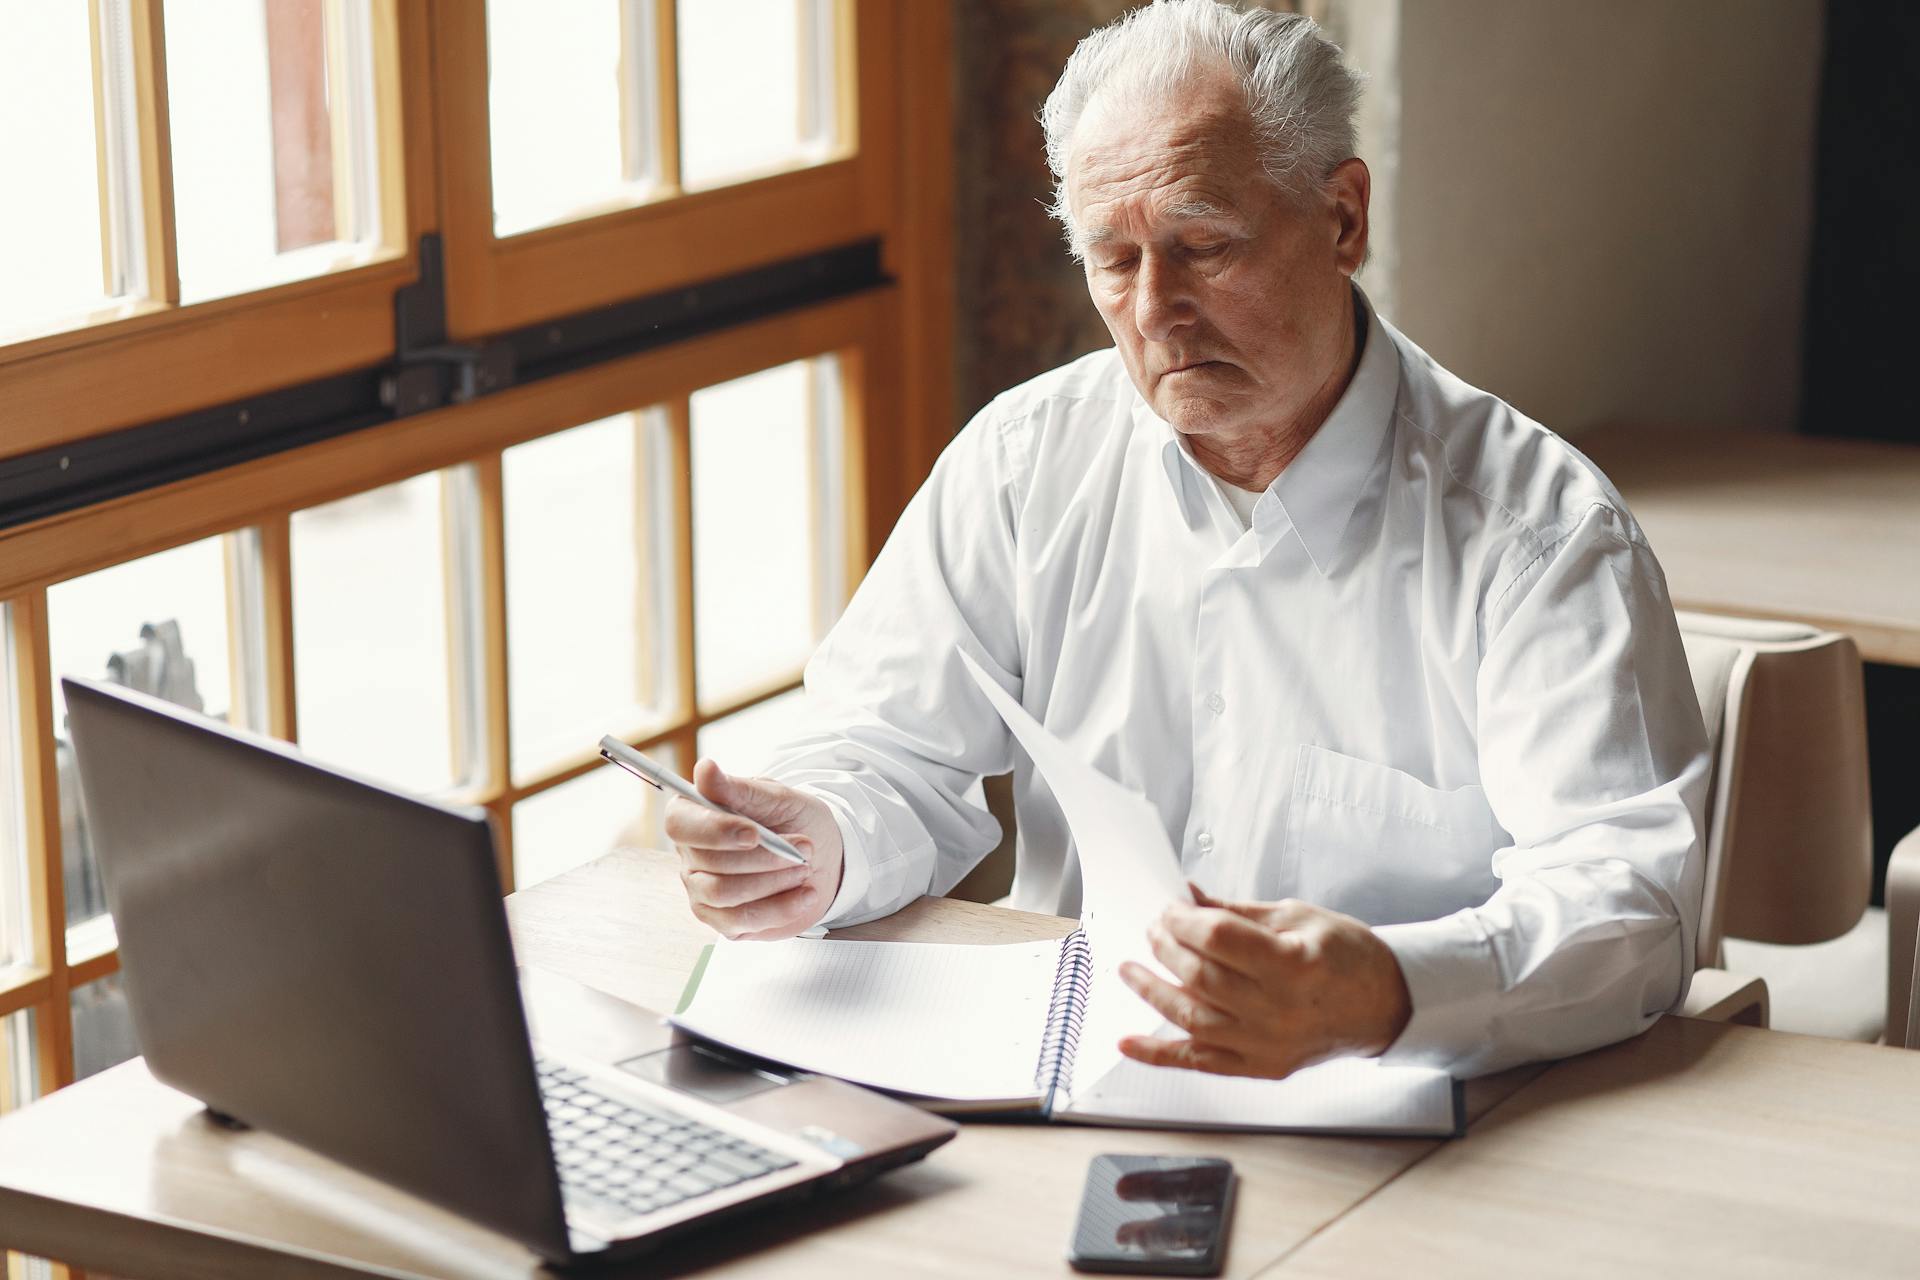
(1196, 415)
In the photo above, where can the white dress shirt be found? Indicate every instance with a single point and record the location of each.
(1436, 685)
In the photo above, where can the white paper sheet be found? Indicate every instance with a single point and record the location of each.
(1128, 871)
(943, 1020)
(1351, 1094)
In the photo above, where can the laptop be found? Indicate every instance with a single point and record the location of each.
(324, 958)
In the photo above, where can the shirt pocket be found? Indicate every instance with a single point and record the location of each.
(1381, 845)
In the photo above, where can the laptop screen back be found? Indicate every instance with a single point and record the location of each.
(318, 957)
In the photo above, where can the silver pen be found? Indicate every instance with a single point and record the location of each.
(667, 780)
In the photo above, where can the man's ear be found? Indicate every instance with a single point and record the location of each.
(1349, 187)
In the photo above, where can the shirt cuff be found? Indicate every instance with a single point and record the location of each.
(1453, 980)
(856, 875)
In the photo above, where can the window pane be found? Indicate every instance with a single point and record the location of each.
(578, 821)
(554, 102)
(158, 624)
(745, 743)
(768, 525)
(16, 922)
(50, 243)
(271, 110)
(756, 87)
(19, 1073)
(588, 586)
(370, 634)
(102, 1028)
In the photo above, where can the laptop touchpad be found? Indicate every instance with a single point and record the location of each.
(699, 1071)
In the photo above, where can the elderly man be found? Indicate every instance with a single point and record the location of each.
(1393, 663)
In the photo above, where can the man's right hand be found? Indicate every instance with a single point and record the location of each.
(734, 885)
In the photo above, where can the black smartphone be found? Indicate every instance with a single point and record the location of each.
(1154, 1215)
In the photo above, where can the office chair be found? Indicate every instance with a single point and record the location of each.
(1789, 833)
(1910, 1031)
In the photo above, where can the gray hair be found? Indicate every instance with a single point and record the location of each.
(1300, 91)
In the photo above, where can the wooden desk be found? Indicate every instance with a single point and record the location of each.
(1697, 1149)
(122, 1175)
(1780, 526)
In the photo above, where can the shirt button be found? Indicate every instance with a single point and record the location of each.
(1205, 842)
(1216, 703)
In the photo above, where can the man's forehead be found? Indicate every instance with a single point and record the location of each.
(1182, 155)
(1121, 218)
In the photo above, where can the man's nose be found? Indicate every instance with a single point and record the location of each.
(1162, 300)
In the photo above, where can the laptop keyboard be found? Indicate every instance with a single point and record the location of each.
(640, 1158)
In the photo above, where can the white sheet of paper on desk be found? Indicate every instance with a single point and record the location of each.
(1128, 875)
(1355, 1095)
(943, 1019)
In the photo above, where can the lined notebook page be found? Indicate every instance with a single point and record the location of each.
(1347, 1094)
(936, 1019)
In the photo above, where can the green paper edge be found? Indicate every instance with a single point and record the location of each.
(693, 980)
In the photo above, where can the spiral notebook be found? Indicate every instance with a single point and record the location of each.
(1034, 1028)
(1002, 1030)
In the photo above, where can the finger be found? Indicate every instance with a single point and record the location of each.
(1223, 988)
(1173, 1003)
(1224, 937)
(716, 890)
(762, 799)
(1188, 1055)
(693, 824)
(779, 916)
(1287, 913)
(733, 861)
(1202, 897)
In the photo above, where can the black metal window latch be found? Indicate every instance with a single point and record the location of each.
(430, 372)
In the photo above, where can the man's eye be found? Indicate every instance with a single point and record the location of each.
(1210, 250)
(1117, 264)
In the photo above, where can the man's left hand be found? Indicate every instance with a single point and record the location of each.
(1266, 988)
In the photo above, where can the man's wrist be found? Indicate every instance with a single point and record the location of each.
(1398, 1002)
(851, 881)
(1394, 1001)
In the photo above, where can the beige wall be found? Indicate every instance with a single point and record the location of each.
(1601, 209)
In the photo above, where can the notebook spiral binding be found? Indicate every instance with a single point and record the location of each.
(1071, 979)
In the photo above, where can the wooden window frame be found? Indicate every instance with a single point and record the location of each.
(166, 359)
(892, 341)
(262, 495)
(674, 238)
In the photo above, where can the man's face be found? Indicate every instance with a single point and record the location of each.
(1227, 299)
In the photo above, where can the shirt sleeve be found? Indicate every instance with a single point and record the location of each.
(898, 732)
(1594, 760)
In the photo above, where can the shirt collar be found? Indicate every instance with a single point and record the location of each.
(1320, 488)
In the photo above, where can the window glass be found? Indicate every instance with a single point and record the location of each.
(571, 824)
(271, 115)
(555, 96)
(371, 636)
(16, 920)
(768, 525)
(746, 742)
(158, 624)
(102, 1027)
(19, 1075)
(51, 267)
(589, 581)
(756, 87)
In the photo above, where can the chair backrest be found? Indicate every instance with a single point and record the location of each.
(1789, 832)
(1912, 1029)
